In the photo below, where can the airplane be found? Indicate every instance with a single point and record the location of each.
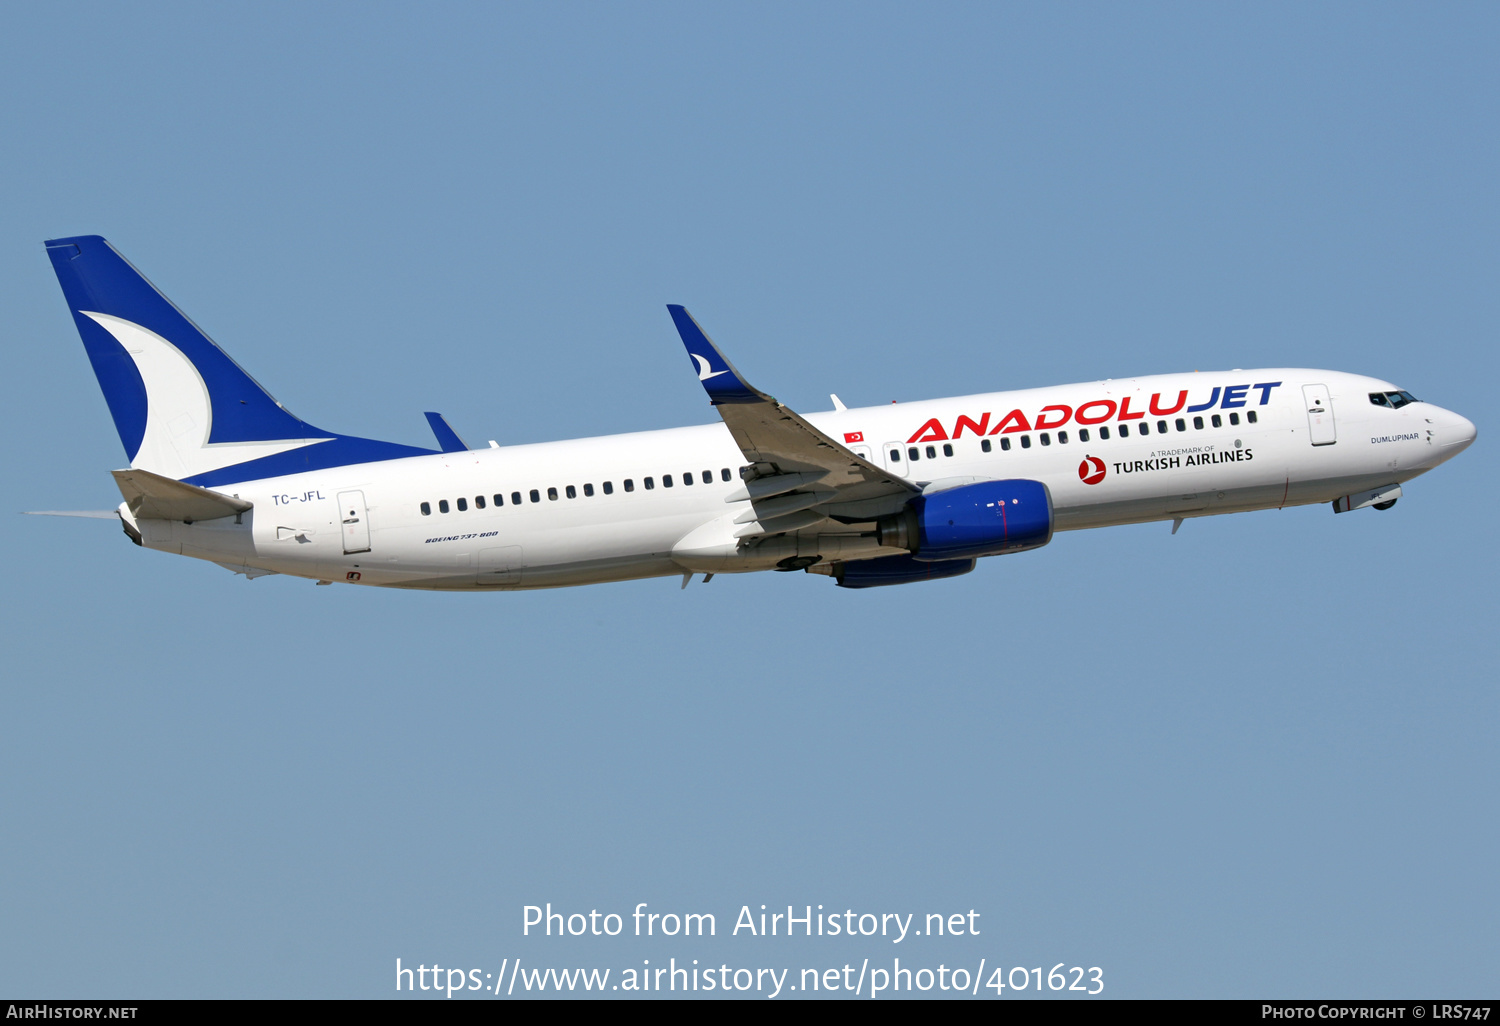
(868, 497)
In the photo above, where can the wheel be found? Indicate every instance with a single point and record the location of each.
(1385, 505)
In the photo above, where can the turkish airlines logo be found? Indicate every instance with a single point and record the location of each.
(854, 436)
(1091, 470)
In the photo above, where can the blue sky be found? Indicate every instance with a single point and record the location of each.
(1256, 758)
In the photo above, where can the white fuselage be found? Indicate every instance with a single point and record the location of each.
(578, 532)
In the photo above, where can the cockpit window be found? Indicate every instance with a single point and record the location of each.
(1379, 399)
(1395, 400)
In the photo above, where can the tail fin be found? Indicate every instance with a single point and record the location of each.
(183, 408)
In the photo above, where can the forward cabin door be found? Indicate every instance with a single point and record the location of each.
(1319, 414)
(356, 525)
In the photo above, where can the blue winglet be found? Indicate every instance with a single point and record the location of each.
(448, 439)
(720, 380)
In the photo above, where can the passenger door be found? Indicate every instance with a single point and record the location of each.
(1320, 425)
(356, 524)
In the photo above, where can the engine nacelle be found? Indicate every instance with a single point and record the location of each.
(877, 573)
(983, 519)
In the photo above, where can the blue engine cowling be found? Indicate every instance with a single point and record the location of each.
(983, 519)
(877, 573)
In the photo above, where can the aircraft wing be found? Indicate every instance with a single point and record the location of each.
(779, 443)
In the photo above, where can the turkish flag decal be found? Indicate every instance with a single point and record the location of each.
(854, 436)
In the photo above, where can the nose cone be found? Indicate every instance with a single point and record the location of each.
(1458, 433)
(1451, 435)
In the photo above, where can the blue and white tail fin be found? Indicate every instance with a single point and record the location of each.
(183, 408)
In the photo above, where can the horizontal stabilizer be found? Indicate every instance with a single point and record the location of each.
(153, 497)
(250, 572)
(448, 439)
(91, 514)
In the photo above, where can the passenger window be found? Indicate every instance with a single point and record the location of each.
(1250, 416)
(1005, 444)
(536, 496)
(588, 489)
(1217, 421)
(1046, 438)
(572, 492)
(1181, 424)
(426, 509)
(932, 452)
(708, 477)
(609, 488)
(687, 478)
(479, 502)
(913, 454)
(947, 450)
(1161, 427)
(1104, 433)
(725, 475)
(1197, 423)
(552, 494)
(463, 504)
(650, 483)
(1234, 418)
(1124, 430)
(499, 498)
(629, 485)
(984, 445)
(895, 455)
(1083, 434)
(1026, 441)
(666, 480)
(515, 498)
(442, 505)
(1062, 437)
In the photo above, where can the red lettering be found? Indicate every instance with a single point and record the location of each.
(1109, 411)
(1017, 421)
(932, 431)
(1042, 423)
(1125, 413)
(1156, 411)
(978, 429)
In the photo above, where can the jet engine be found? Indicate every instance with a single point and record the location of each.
(983, 519)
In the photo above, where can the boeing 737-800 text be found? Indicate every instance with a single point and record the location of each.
(883, 495)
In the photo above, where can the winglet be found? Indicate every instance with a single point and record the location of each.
(447, 438)
(720, 380)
